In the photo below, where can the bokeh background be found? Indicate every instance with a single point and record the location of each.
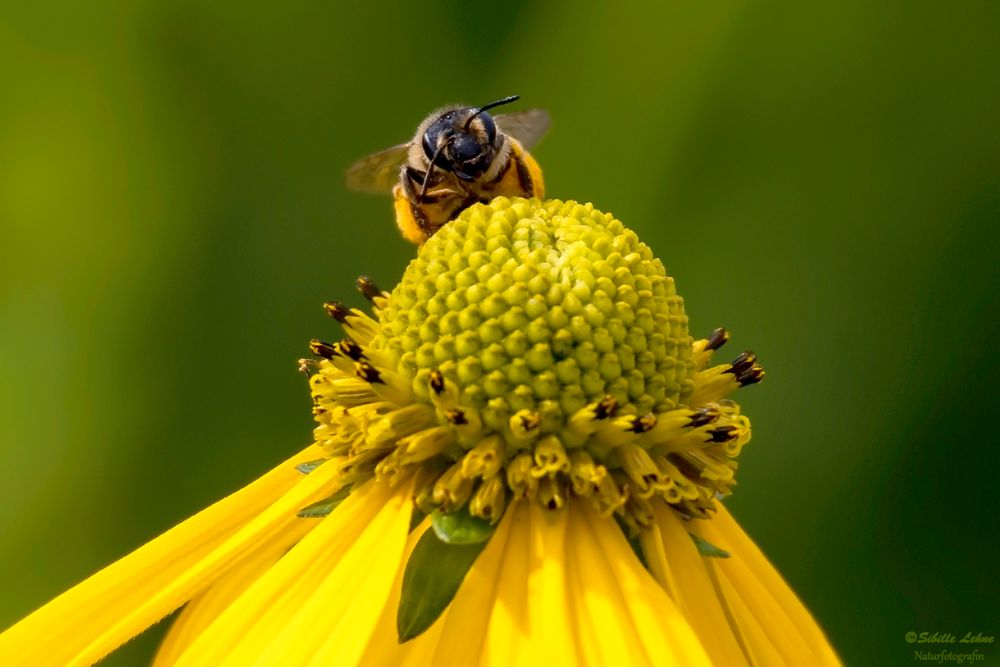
(824, 181)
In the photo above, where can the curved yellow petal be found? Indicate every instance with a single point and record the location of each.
(760, 598)
(321, 601)
(383, 648)
(633, 615)
(96, 616)
(202, 610)
(689, 584)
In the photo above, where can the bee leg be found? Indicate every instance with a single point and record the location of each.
(410, 179)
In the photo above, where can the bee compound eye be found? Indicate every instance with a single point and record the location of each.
(465, 149)
(488, 126)
(441, 129)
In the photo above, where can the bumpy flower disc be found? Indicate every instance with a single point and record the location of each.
(540, 306)
(533, 349)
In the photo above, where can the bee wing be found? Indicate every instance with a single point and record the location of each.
(378, 172)
(526, 126)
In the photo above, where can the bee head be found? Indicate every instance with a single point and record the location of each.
(463, 140)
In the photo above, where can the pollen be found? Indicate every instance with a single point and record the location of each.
(533, 350)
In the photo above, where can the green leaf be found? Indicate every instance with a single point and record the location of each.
(323, 507)
(706, 548)
(431, 579)
(460, 527)
(416, 518)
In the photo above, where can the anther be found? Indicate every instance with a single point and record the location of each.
(751, 376)
(456, 416)
(644, 423)
(746, 369)
(350, 349)
(723, 433)
(703, 416)
(436, 382)
(718, 338)
(367, 372)
(368, 288)
(524, 424)
(742, 363)
(307, 366)
(337, 311)
(606, 407)
(321, 349)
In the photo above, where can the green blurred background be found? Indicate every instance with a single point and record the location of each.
(825, 182)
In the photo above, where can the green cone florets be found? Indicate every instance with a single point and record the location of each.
(540, 306)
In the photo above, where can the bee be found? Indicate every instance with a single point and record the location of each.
(459, 156)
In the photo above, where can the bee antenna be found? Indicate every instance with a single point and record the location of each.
(501, 102)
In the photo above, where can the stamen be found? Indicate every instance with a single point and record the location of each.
(524, 424)
(589, 419)
(369, 289)
(485, 459)
(639, 466)
(746, 369)
(718, 338)
(337, 311)
(452, 489)
(585, 475)
(489, 500)
(519, 477)
(424, 444)
(400, 423)
(550, 457)
(551, 493)
(321, 349)
(348, 348)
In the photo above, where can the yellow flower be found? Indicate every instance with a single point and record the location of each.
(518, 461)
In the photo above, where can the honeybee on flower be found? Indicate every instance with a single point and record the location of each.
(459, 156)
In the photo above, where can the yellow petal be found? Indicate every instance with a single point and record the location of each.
(632, 615)
(506, 640)
(687, 581)
(383, 648)
(320, 603)
(765, 607)
(202, 610)
(91, 619)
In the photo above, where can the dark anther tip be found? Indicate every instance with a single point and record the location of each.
(606, 407)
(367, 372)
(644, 423)
(350, 349)
(456, 417)
(718, 338)
(531, 421)
(337, 311)
(436, 382)
(321, 349)
(723, 433)
(368, 288)
(703, 416)
(743, 363)
(751, 376)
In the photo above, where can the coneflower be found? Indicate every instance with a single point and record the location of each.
(519, 460)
